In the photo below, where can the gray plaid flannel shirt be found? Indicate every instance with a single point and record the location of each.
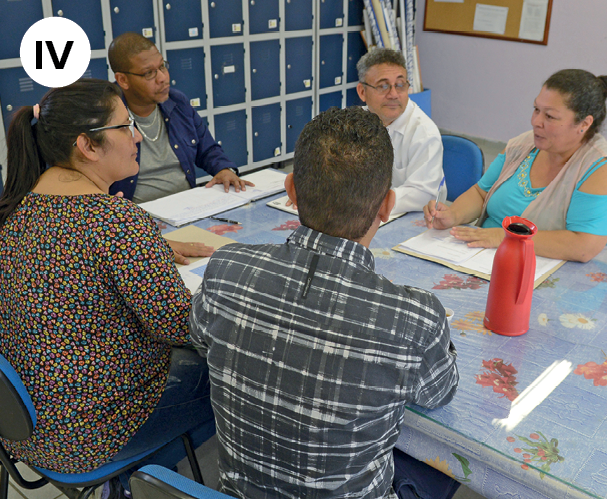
(311, 368)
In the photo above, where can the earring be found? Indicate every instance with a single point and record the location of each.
(582, 131)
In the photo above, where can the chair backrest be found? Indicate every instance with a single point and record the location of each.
(18, 415)
(463, 164)
(157, 482)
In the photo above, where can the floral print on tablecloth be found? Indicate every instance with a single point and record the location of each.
(596, 372)
(499, 376)
(453, 281)
(538, 451)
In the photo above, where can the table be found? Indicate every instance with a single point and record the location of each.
(557, 449)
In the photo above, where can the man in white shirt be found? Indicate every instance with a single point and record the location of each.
(418, 148)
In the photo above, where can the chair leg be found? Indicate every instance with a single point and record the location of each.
(189, 449)
(4, 478)
(87, 492)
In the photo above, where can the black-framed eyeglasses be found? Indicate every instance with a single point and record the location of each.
(152, 73)
(385, 88)
(130, 125)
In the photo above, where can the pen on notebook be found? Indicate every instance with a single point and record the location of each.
(440, 186)
(225, 220)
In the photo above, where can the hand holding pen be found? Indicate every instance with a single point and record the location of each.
(431, 208)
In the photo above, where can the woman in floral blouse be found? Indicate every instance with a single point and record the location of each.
(91, 302)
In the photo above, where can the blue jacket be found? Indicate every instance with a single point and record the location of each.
(190, 139)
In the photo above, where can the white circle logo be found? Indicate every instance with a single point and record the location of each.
(55, 52)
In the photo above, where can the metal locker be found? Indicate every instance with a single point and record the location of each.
(227, 64)
(298, 15)
(87, 15)
(266, 132)
(231, 135)
(17, 17)
(298, 57)
(187, 74)
(265, 69)
(133, 15)
(299, 112)
(355, 12)
(326, 101)
(97, 69)
(263, 16)
(182, 20)
(225, 18)
(331, 14)
(330, 60)
(352, 98)
(356, 49)
(16, 90)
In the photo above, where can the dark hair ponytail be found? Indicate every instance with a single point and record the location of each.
(32, 144)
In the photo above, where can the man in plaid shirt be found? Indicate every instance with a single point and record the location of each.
(312, 355)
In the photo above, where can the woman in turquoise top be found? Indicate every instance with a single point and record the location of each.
(563, 156)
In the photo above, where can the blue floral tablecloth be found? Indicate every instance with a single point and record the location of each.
(555, 374)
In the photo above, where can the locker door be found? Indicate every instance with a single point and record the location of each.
(182, 20)
(263, 16)
(97, 69)
(187, 74)
(298, 15)
(87, 15)
(326, 101)
(225, 18)
(266, 132)
(133, 15)
(16, 19)
(231, 134)
(299, 112)
(356, 49)
(352, 98)
(355, 12)
(227, 63)
(331, 13)
(16, 90)
(265, 69)
(298, 57)
(330, 60)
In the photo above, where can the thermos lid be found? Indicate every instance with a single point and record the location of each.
(519, 226)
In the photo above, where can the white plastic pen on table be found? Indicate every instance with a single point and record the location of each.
(440, 186)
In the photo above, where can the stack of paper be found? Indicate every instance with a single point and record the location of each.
(194, 204)
(441, 247)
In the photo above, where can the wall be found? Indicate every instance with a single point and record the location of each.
(485, 88)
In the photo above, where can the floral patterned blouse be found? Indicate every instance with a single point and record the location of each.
(90, 304)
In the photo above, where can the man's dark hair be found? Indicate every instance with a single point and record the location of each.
(379, 55)
(125, 46)
(342, 171)
(583, 93)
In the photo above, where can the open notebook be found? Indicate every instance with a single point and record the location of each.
(441, 247)
(194, 204)
(281, 204)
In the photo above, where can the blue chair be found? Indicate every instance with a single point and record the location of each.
(463, 163)
(17, 422)
(156, 482)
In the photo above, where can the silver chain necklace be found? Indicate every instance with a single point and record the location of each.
(140, 126)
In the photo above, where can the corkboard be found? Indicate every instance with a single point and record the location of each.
(458, 17)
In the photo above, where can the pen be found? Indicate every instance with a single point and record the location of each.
(440, 186)
(225, 220)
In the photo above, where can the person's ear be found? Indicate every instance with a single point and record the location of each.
(386, 206)
(360, 89)
(122, 80)
(290, 188)
(86, 147)
(586, 123)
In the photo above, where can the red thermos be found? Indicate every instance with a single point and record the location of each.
(512, 277)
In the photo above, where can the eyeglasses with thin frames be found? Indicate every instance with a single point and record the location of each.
(151, 74)
(130, 125)
(386, 88)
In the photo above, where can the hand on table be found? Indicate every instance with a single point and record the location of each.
(479, 238)
(289, 203)
(227, 177)
(182, 250)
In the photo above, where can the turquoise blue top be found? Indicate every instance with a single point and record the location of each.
(587, 212)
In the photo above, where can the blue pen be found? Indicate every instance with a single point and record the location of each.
(440, 186)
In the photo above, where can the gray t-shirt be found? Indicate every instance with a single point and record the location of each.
(160, 172)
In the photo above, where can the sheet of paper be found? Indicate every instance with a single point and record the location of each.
(490, 18)
(281, 204)
(193, 273)
(533, 20)
(440, 244)
(194, 204)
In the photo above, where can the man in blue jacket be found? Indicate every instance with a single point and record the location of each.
(175, 139)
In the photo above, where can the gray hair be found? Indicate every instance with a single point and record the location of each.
(377, 56)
